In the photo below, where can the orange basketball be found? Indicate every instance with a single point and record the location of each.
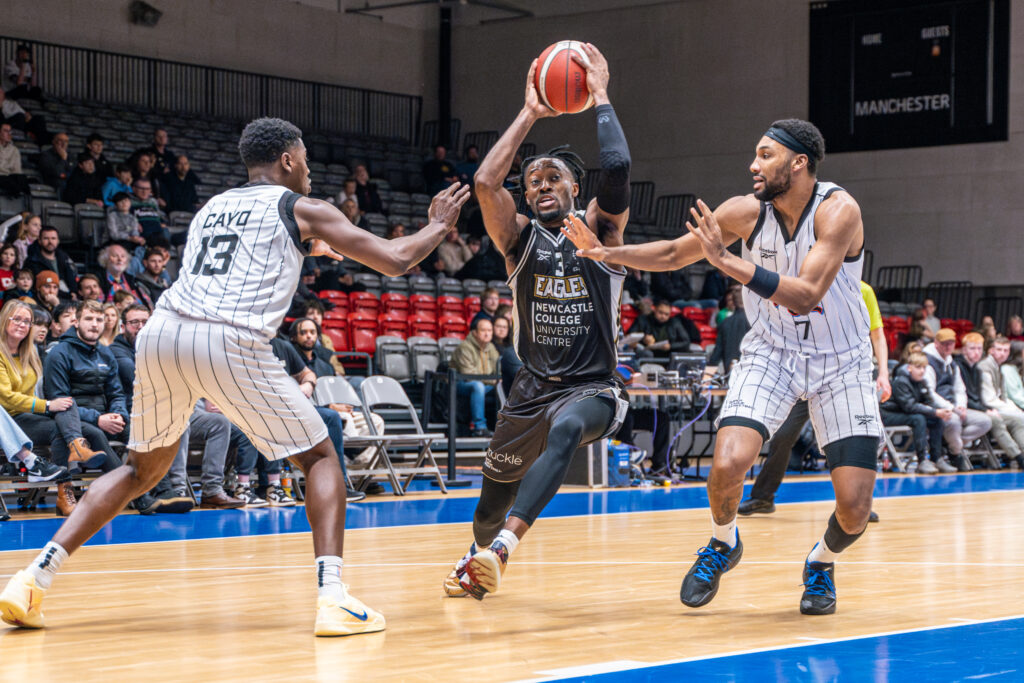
(561, 82)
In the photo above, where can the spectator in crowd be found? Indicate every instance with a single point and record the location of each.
(714, 288)
(133, 319)
(730, 335)
(467, 169)
(439, 172)
(147, 212)
(476, 355)
(305, 336)
(114, 259)
(89, 288)
(920, 330)
(489, 302)
(143, 164)
(912, 406)
(24, 286)
(8, 264)
(515, 172)
(208, 426)
(86, 371)
(35, 126)
(17, 448)
(21, 76)
(350, 208)
(54, 165)
(315, 311)
(1015, 328)
(726, 307)
(179, 187)
(41, 320)
(333, 275)
(85, 184)
(988, 329)
(65, 316)
(453, 253)
(635, 285)
(366, 192)
(45, 254)
(347, 191)
(47, 293)
(28, 233)
(94, 147)
(486, 264)
(122, 226)
(1008, 420)
(119, 183)
(122, 300)
(153, 280)
(111, 324)
(673, 286)
(663, 334)
(930, 319)
(20, 372)
(1013, 378)
(13, 182)
(504, 343)
(948, 391)
(970, 371)
(504, 311)
(471, 220)
(394, 231)
(164, 159)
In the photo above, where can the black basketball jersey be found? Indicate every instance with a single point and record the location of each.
(567, 308)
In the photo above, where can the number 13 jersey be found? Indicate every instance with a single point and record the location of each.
(839, 322)
(242, 261)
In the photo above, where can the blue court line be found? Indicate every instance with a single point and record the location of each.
(28, 534)
(987, 650)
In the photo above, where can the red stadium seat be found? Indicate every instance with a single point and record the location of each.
(453, 326)
(505, 302)
(364, 333)
(333, 294)
(676, 311)
(472, 305)
(697, 314)
(338, 337)
(450, 305)
(423, 304)
(335, 315)
(394, 325)
(365, 302)
(395, 303)
(422, 326)
(708, 334)
(629, 315)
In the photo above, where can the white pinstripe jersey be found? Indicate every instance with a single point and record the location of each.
(840, 322)
(242, 262)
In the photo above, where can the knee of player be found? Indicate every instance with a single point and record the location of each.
(853, 515)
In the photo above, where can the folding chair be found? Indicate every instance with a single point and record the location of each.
(899, 458)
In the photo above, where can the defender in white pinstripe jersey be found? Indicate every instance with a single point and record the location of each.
(210, 338)
(802, 254)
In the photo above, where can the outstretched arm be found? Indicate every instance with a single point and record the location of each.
(319, 220)
(496, 204)
(838, 226)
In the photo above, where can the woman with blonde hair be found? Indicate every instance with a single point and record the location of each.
(20, 372)
(111, 324)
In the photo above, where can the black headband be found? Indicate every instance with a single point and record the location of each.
(786, 140)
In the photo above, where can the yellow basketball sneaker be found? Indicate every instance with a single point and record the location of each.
(345, 618)
(483, 571)
(21, 603)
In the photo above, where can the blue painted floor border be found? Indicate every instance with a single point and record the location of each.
(29, 534)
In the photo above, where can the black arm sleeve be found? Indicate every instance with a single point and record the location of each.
(613, 185)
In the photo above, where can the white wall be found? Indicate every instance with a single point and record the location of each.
(696, 83)
(268, 37)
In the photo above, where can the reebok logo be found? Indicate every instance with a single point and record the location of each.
(768, 253)
(864, 420)
(737, 403)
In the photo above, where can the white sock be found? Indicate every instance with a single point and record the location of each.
(47, 564)
(821, 553)
(243, 478)
(29, 459)
(726, 533)
(507, 539)
(328, 575)
(274, 479)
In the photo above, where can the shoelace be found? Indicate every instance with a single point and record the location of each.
(711, 562)
(819, 582)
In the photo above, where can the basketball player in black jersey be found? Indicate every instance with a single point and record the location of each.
(567, 393)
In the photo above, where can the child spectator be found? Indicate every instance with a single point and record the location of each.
(122, 225)
(85, 184)
(28, 233)
(119, 182)
(24, 280)
(911, 406)
(8, 264)
(122, 300)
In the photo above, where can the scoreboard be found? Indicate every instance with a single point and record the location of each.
(909, 73)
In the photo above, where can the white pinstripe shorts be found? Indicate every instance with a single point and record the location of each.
(179, 361)
(838, 387)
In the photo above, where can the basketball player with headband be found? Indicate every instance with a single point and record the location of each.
(801, 262)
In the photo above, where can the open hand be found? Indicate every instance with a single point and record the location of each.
(446, 204)
(586, 241)
(321, 248)
(707, 231)
(533, 101)
(597, 71)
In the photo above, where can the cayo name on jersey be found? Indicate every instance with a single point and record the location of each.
(552, 287)
(218, 220)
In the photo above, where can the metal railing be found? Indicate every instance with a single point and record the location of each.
(129, 81)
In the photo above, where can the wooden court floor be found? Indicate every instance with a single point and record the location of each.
(579, 591)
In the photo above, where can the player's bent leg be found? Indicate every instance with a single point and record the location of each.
(496, 499)
(338, 613)
(736, 448)
(853, 477)
(21, 600)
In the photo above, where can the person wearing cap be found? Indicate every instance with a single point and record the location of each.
(946, 383)
(48, 290)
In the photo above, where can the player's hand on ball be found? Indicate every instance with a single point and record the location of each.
(597, 71)
(533, 103)
(321, 248)
(705, 228)
(446, 204)
(586, 242)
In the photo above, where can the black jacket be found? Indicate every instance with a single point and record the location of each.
(972, 383)
(153, 288)
(730, 335)
(671, 330)
(86, 373)
(672, 286)
(125, 355)
(81, 187)
(908, 396)
(66, 269)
